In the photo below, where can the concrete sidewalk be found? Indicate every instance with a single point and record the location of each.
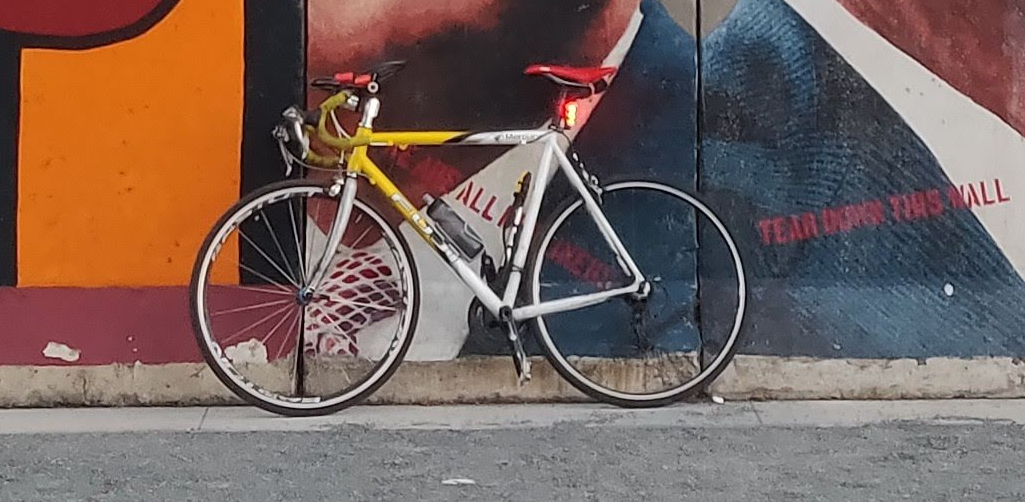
(478, 417)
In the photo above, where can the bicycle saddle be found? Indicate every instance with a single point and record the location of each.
(572, 75)
(367, 80)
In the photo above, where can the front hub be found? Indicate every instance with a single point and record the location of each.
(304, 296)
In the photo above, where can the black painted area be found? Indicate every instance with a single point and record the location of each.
(10, 71)
(275, 55)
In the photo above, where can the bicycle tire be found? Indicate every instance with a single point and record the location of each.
(543, 237)
(200, 317)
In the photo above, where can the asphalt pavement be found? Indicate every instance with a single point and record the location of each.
(785, 451)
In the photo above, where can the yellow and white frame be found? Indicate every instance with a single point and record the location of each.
(356, 163)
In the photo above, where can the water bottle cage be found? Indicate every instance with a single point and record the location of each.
(511, 227)
(453, 230)
(488, 271)
(591, 181)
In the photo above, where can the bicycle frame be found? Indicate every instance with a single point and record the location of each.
(358, 163)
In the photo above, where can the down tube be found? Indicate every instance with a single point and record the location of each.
(426, 231)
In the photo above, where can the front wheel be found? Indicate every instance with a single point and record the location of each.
(640, 352)
(271, 341)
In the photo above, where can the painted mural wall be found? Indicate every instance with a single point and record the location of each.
(874, 150)
(465, 71)
(122, 129)
(866, 154)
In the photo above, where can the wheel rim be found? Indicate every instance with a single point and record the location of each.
(703, 372)
(360, 318)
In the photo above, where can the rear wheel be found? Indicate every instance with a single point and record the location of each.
(296, 354)
(648, 352)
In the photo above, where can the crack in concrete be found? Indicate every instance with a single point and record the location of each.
(202, 419)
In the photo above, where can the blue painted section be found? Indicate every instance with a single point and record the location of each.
(650, 110)
(646, 124)
(792, 127)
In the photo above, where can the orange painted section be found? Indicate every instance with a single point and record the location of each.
(129, 152)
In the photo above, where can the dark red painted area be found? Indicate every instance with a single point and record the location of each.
(72, 19)
(109, 325)
(579, 262)
(235, 317)
(977, 46)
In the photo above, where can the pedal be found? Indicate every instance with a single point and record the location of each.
(519, 355)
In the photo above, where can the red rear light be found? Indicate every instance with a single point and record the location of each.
(568, 113)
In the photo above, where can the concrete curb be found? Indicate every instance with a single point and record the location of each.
(492, 380)
(792, 378)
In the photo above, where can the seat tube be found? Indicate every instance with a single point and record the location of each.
(532, 208)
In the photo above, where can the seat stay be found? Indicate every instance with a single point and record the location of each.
(554, 158)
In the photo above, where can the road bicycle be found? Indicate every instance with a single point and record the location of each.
(305, 296)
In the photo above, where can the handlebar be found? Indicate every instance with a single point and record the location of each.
(297, 127)
(350, 92)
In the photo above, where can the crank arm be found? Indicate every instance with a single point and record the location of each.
(520, 360)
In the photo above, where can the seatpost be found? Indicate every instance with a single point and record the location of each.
(371, 107)
(557, 115)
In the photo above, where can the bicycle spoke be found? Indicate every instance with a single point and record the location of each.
(264, 277)
(272, 330)
(291, 328)
(268, 291)
(255, 324)
(341, 331)
(300, 253)
(269, 260)
(366, 231)
(356, 303)
(314, 265)
(250, 307)
(316, 217)
(274, 237)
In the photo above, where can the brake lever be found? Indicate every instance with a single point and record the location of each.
(281, 136)
(288, 159)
